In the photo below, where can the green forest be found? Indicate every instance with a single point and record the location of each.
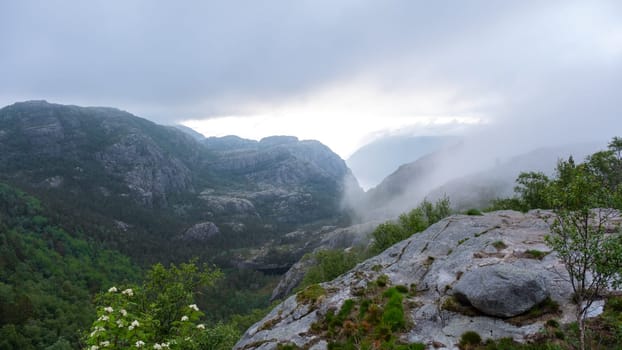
(49, 280)
(48, 276)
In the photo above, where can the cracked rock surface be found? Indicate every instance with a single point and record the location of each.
(436, 260)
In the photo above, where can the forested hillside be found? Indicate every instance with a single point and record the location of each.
(48, 276)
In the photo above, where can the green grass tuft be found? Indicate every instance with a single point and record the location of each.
(535, 254)
(382, 280)
(470, 338)
(311, 294)
(499, 245)
(474, 212)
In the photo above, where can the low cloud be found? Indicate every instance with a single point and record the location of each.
(543, 72)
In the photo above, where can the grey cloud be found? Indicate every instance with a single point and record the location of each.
(179, 53)
(174, 60)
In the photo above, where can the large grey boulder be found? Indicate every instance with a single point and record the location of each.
(200, 232)
(501, 290)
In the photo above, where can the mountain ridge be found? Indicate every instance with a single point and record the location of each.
(148, 180)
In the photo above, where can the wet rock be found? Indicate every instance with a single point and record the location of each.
(501, 290)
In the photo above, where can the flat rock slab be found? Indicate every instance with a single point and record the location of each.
(501, 290)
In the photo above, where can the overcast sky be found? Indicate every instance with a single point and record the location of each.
(337, 71)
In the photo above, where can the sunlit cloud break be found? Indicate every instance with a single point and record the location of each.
(348, 117)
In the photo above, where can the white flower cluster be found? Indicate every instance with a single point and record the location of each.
(123, 312)
(129, 292)
(105, 344)
(184, 318)
(133, 325)
(201, 326)
(112, 289)
(97, 330)
(194, 307)
(161, 346)
(139, 344)
(103, 318)
(108, 309)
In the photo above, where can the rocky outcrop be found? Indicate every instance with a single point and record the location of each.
(200, 232)
(501, 290)
(432, 264)
(150, 175)
(227, 205)
(96, 147)
(337, 238)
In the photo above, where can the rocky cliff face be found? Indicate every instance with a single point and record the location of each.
(290, 179)
(125, 168)
(464, 273)
(107, 150)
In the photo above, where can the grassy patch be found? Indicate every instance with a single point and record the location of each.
(546, 308)
(393, 315)
(535, 254)
(499, 245)
(474, 212)
(368, 322)
(311, 294)
(452, 304)
(402, 288)
(469, 340)
(382, 280)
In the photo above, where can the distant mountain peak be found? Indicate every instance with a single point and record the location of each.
(378, 159)
(277, 140)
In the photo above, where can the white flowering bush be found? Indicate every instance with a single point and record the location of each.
(160, 314)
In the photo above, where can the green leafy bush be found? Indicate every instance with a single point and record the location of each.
(159, 314)
(329, 264)
(416, 220)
